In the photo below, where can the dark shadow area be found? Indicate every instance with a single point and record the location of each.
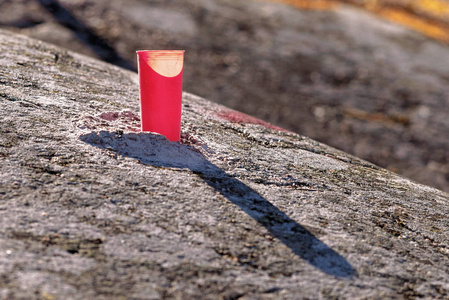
(84, 34)
(28, 22)
(157, 151)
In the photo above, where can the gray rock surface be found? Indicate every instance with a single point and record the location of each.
(345, 77)
(91, 208)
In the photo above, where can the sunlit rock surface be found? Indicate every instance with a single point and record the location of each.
(371, 85)
(91, 208)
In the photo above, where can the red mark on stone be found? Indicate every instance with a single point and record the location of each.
(109, 116)
(111, 120)
(239, 117)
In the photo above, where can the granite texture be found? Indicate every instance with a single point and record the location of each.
(343, 76)
(91, 208)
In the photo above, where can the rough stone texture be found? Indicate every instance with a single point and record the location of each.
(91, 208)
(344, 77)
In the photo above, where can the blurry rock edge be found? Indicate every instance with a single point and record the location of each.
(92, 209)
(345, 77)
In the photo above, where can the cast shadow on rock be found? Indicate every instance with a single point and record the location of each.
(85, 34)
(157, 151)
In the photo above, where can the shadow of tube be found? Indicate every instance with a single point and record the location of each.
(157, 151)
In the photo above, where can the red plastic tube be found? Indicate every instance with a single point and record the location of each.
(160, 78)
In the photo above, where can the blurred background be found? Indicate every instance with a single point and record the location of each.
(368, 77)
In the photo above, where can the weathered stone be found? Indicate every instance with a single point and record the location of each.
(343, 76)
(92, 208)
